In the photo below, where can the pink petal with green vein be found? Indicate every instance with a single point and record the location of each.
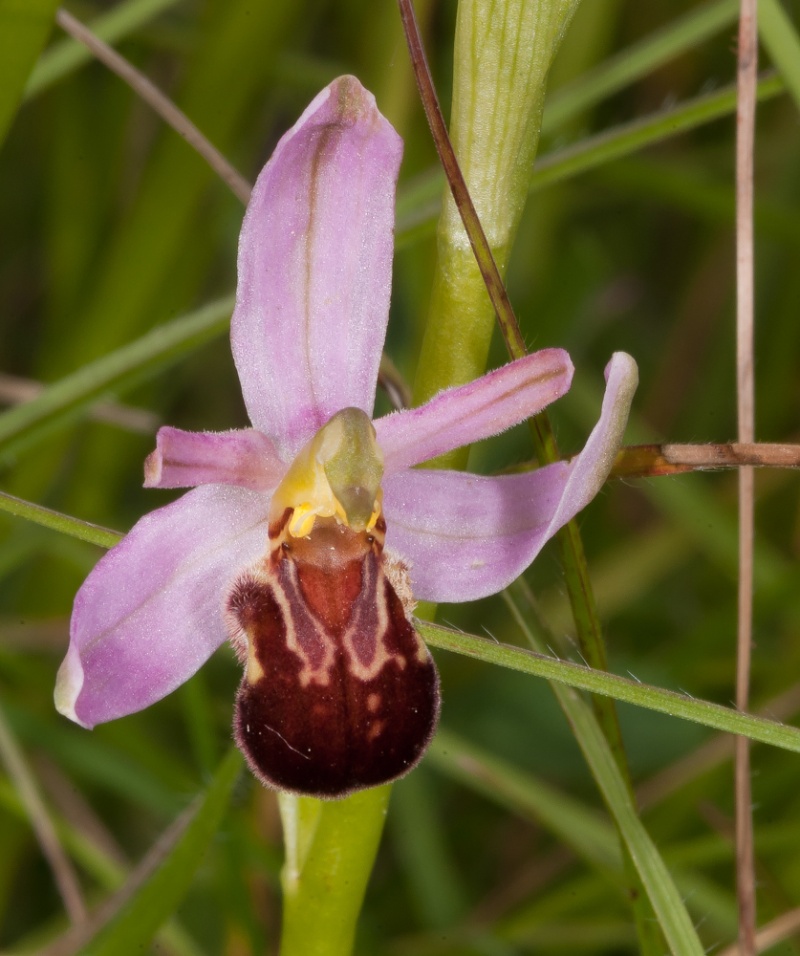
(487, 406)
(243, 457)
(315, 264)
(151, 611)
(468, 536)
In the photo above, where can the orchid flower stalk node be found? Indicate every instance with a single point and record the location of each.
(304, 537)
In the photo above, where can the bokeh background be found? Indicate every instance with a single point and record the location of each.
(111, 225)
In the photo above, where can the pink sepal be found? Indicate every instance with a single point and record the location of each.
(468, 536)
(487, 406)
(151, 611)
(315, 267)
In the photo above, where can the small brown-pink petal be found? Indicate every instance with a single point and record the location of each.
(243, 457)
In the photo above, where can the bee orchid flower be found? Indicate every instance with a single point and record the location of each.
(304, 537)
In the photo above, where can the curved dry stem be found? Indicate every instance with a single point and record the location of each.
(651, 461)
(63, 873)
(162, 105)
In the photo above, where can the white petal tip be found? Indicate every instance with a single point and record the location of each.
(624, 366)
(153, 469)
(68, 687)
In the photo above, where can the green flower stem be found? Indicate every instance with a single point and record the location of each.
(502, 55)
(501, 61)
(330, 849)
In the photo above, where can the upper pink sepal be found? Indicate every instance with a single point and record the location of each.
(151, 611)
(315, 267)
(472, 412)
(242, 457)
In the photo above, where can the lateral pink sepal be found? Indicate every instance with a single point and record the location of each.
(151, 611)
(469, 413)
(467, 536)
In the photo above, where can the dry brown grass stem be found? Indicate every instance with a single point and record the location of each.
(747, 64)
(25, 785)
(649, 461)
(777, 931)
(161, 104)
(15, 390)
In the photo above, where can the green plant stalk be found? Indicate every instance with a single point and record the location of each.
(330, 849)
(66, 399)
(502, 55)
(497, 106)
(317, 836)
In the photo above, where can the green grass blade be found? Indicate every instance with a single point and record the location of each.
(106, 869)
(56, 521)
(102, 762)
(134, 925)
(571, 821)
(667, 902)
(66, 399)
(419, 203)
(576, 675)
(423, 844)
(664, 897)
(636, 61)
(68, 55)
(24, 28)
(610, 685)
(630, 137)
(779, 36)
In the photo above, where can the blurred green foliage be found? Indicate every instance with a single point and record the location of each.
(111, 226)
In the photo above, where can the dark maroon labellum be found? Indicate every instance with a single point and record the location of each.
(339, 692)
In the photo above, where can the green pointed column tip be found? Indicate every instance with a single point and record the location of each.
(337, 473)
(355, 469)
